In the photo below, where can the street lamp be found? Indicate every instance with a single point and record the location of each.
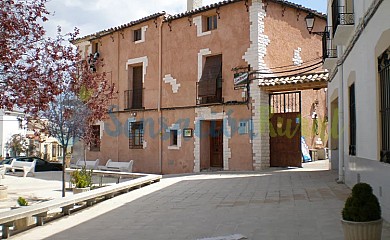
(310, 20)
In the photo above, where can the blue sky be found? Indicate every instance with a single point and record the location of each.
(91, 16)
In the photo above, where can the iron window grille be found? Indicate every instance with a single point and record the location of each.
(136, 135)
(384, 83)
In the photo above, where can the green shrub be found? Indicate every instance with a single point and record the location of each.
(22, 201)
(362, 205)
(81, 178)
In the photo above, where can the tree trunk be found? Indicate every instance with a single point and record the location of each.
(63, 169)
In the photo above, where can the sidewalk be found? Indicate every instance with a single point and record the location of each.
(294, 204)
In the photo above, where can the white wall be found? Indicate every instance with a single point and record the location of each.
(361, 67)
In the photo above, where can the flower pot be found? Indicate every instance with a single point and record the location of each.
(362, 230)
(80, 190)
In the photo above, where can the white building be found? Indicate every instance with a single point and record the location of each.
(10, 123)
(357, 54)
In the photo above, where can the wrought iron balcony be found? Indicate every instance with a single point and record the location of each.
(341, 15)
(217, 98)
(328, 49)
(134, 99)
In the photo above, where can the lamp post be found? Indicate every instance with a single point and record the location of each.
(310, 20)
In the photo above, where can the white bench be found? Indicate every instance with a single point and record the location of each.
(88, 164)
(21, 165)
(118, 166)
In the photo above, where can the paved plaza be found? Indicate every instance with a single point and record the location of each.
(280, 204)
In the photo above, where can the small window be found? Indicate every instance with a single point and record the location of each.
(54, 150)
(136, 135)
(95, 143)
(352, 121)
(173, 137)
(137, 35)
(211, 23)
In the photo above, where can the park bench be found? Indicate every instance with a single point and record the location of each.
(118, 166)
(88, 164)
(21, 165)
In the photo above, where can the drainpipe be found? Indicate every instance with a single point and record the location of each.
(117, 65)
(160, 95)
(341, 126)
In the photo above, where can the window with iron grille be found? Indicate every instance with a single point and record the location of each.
(95, 143)
(384, 86)
(136, 135)
(137, 35)
(352, 121)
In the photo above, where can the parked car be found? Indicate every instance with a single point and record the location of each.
(40, 166)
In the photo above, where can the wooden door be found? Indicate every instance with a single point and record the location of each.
(216, 144)
(285, 130)
(137, 87)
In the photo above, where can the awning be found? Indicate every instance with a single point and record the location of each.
(211, 71)
(297, 82)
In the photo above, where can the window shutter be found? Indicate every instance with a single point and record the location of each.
(211, 71)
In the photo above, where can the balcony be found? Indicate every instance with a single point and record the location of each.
(343, 22)
(133, 99)
(212, 99)
(329, 50)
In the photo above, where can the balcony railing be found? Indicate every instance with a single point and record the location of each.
(133, 99)
(212, 99)
(328, 49)
(341, 15)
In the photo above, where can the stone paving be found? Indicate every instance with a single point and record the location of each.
(291, 204)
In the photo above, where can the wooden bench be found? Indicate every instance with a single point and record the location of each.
(118, 166)
(88, 164)
(40, 210)
(21, 165)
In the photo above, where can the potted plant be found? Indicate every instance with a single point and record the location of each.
(82, 179)
(23, 222)
(362, 214)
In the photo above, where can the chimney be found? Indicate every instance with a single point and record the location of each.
(193, 4)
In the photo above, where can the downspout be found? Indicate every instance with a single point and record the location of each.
(341, 178)
(117, 137)
(160, 94)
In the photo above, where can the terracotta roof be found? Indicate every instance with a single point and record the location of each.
(186, 14)
(226, 2)
(114, 29)
(294, 80)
